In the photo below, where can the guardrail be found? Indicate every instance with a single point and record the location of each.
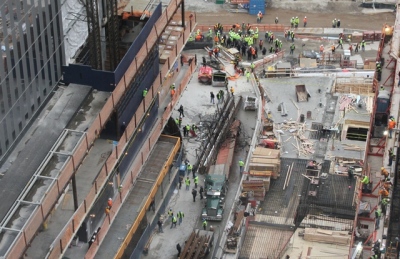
(135, 169)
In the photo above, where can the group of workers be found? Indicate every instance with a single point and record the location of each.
(295, 21)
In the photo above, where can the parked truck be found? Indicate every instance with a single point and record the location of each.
(215, 188)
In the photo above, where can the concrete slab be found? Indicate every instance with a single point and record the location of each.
(133, 203)
(85, 176)
(50, 126)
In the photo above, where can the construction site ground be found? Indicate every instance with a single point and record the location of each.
(196, 102)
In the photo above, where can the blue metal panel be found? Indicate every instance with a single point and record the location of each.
(137, 96)
(140, 138)
(85, 75)
(137, 44)
(106, 80)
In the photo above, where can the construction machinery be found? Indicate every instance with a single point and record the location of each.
(198, 245)
(219, 79)
(205, 75)
(215, 187)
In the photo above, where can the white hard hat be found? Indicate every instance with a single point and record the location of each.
(109, 199)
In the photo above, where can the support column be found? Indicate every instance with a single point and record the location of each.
(183, 13)
(74, 192)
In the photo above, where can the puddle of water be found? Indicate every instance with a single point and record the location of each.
(20, 216)
(54, 165)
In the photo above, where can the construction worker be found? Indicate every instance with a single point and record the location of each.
(189, 168)
(221, 92)
(305, 21)
(241, 166)
(180, 216)
(378, 214)
(384, 173)
(144, 93)
(212, 96)
(363, 45)
(255, 36)
(204, 224)
(179, 248)
(261, 44)
(292, 22)
(187, 130)
(252, 66)
(338, 23)
(292, 35)
(292, 48)
(334, 23)
(333, 48)
(365, 180)
(172, 92)
(296, 22)
(181, 111)
(232, 90)
(187, 183)
(194, 194)
(356, 48)
(321, 49)
(180, 121)
(391, 126)
(248, 76)
(384, 203)
(170, 213)
(107, 210)
(391, 156)
(160, 224)
(201, 192)
(340, 43)
(196, 181)
(383, 193)
(109, 203)
(173, 221)
(387, 184)
(276, 20)
(259, 17)
(152, 205)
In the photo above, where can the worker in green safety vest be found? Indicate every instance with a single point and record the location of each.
(144, 93)
(365, 180)
(204, 224)
(241, 165)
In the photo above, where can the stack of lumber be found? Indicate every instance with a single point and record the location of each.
(254, 189)
(265, 162)
(327, 236)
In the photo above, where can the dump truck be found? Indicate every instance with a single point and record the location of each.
(302, 94)
(215, 188)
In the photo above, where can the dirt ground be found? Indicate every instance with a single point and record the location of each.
(353, 21)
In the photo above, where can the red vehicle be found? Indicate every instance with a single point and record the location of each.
(205, 75)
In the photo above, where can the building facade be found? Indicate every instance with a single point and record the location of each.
(31, 38)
